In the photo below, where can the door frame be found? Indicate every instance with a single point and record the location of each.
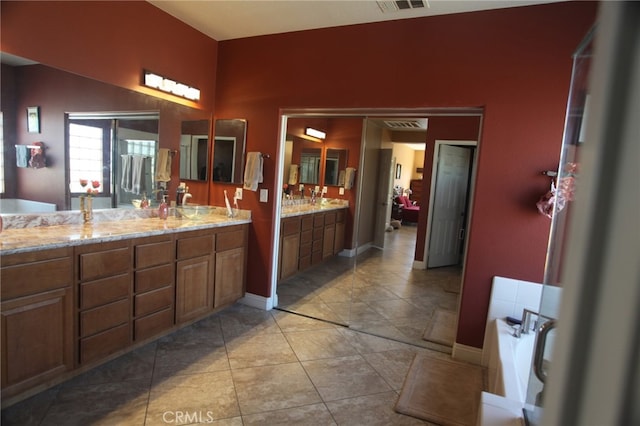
(432, 192)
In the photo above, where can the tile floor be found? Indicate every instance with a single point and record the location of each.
(241, 366)
(378, 292)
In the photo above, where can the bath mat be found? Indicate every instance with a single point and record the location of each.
(441, 391)
(442, 328)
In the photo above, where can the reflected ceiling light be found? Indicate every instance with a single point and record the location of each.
(171, 86)
(310, 131)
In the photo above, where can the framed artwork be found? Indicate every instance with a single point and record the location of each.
(398, 171)
(33, 119)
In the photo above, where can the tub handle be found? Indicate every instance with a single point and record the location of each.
(538, 357)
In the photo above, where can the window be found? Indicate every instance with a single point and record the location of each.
(85, 156)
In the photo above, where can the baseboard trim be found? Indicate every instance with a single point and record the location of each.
(419, 264)
(467, 353)
(256, 301)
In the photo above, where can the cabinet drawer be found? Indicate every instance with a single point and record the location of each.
(153, 324)
(35, 277)
(230, 240)
(305, 249)
(152, 254)
(316, 246)
(290, 226)
(330, 218)
(153, 301)
(195, 246)
(318, 220)
(104, 263)
(152, 278)
(307, 222)
(102, 318)
(306, 237)
(103, 344)
(106, 290)
(317, 234)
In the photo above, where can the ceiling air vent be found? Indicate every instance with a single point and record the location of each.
(394, 6)
(405, 124)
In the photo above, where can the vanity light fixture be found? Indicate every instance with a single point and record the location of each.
(171, 86)
(310, 131)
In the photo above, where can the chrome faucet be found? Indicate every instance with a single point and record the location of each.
(526, 325)
(185, 197)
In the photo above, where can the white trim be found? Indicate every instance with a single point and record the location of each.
(419, 264)
(467, 353)
(256, 301)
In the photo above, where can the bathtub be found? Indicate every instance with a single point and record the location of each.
(16, 206)
(509, 361)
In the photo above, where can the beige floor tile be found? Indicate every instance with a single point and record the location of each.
(392, 365)
(273, 387)
(339, 378)
(208, 395)
(292, 322)
(190, 359)
(367, 343)
(261, 349)
(307, 415)
(371, 410)
(319, 344)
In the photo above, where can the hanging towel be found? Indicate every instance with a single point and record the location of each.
(293, 174)
(37, 160)
(349, 177)
(138, 174)
(163, 166)
(125, 181)
(253, 171)
(22, 156)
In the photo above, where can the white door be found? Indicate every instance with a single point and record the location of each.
(383, 209)
(447, 225)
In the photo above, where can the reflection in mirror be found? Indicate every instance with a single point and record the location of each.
(194, 146)
(310, 166)
(115, 150)
(334, 167)
(228, 150)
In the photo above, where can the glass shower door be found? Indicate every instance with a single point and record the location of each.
(564, 183)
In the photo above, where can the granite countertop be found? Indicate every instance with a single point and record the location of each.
(307, 208)
(32, 238)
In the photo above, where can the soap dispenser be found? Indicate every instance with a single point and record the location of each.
(163, 210)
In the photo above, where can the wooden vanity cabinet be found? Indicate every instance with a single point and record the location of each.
(338, 242)
(37, 318)
(317, 238)
(329, 234)
(194, 274)
(306, 240)
(154, 286)
(104, 275)
(231, 264)
(289, 246)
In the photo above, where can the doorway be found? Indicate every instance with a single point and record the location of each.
(381, 292)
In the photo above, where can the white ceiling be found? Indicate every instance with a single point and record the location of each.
(231, 19)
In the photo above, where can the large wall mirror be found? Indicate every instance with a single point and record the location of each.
(56, 93)
(194, 149)
(335, 164)
(228, 150)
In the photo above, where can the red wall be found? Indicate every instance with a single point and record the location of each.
(516, 63)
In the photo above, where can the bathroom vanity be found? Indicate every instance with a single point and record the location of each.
(76, 295)
(310, 234)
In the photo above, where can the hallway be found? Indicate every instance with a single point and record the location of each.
(379, 293)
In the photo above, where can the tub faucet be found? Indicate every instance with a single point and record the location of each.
(526, 325)
(185, 197)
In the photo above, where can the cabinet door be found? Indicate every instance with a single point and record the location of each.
(338, 243)
(37, 335)
(194, 288)
(328, 240)
(289, 255)
(229, 279)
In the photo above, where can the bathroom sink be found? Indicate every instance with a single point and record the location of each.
(194, 212)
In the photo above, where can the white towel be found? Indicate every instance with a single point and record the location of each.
(125, 181)
(163, 165)
(293, 174)
(138, 174)
(349, 177)
(253, 171)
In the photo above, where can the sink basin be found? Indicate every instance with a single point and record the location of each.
(194, 212)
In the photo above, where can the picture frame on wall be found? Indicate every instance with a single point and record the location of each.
(33, 119)
(398, 171)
